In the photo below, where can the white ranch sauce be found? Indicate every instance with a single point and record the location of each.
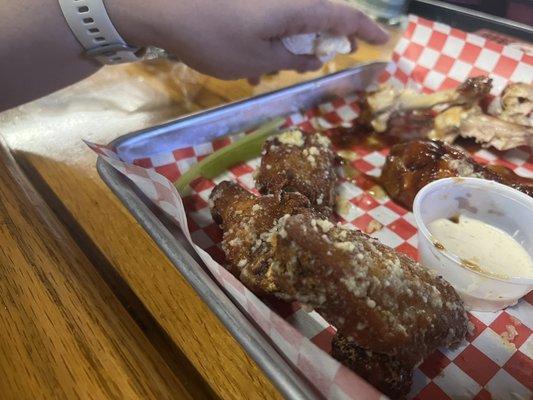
(482, 247)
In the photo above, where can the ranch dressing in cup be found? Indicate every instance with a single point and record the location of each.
(482, 247)
(489, 227)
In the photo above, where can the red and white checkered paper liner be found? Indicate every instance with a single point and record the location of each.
(430, 56)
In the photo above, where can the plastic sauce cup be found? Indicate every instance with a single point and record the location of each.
(495, 204)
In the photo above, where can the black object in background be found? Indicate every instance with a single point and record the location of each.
(471, 20)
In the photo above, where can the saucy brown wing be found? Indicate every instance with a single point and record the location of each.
(412, 165)
(246, 221)
(295, 162)
(386, 373)
(381, 299)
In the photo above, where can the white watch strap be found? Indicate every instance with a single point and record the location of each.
(90, 23)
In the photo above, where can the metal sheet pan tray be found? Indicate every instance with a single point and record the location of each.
(204, 127)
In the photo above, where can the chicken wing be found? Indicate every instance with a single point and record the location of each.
(390, 312)
(378, 298)
(472, 122)
(386, 373)
(516, 104)
(412, 165)
(294, 162)
(380, 105)
(246, 221)
(508, 125)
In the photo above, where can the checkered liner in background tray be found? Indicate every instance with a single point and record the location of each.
(431, 56)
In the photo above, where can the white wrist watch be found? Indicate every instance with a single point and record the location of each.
(90, 23)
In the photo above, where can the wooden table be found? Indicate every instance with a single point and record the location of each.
(90, 307)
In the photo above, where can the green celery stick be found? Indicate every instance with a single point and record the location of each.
(242, 150)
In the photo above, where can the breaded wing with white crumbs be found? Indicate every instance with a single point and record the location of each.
(296, 162)
(247, 222)
(384, 372)
(378, 298)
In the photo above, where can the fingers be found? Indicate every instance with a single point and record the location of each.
(311, 16)
(281, 59)
(368, 30)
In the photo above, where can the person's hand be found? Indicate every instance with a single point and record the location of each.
(233, 39)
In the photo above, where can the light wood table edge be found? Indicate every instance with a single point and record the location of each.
(66, 261)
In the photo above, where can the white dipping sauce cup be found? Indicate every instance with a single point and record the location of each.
(493, 203)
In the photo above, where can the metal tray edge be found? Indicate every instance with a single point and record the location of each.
(286, 380)
(439, 10)
(290, 384)
(184, 121)
(269, 359)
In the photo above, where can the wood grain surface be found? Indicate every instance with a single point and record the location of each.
(46, 140)
(63, 334)
(63, 331)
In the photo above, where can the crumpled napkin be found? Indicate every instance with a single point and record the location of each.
(323, 45)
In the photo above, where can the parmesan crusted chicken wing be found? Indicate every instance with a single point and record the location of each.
(412, 165)
(247, 221)
(384, 372)
(295, 162)
(378, 298)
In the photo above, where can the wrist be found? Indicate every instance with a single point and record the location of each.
(132, 20)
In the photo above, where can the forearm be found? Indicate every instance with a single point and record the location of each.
(228, 39)
(38, 52)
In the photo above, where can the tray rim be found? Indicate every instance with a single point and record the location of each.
(186, 120)
(284, 377)
(474, 18)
